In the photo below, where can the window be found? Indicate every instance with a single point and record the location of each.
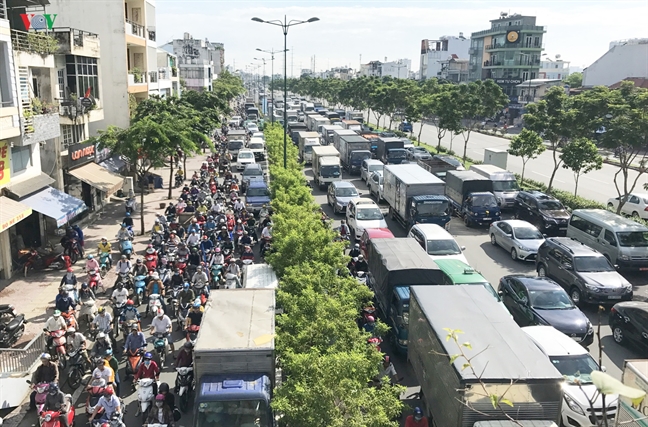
(20, 158)
(6, 98)
(61, 83)
(72, 134)
(609, 237)
(82, 74)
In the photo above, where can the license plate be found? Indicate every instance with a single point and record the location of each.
(562, 228)
(487, 219)
(643, 269)
(614, 297)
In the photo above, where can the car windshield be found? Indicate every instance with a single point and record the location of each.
(373, 168)
(551, 205)
(346, 192)
(633, 238)
(369, 214)
(235, 145)
(575, 367)
(397, 154)
(419, 150)
(245, 155)
(256, 146)
(233, 412)
(251, 172)
(505, 186)
(256, 192)
(433, 208)
(592, 264)
(485, 201)
(550, 300)
(308, 148)
(443, 247)
(527, 233)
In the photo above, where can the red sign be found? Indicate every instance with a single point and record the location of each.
(81, 153)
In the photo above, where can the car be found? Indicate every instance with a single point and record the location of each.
(586, 275)
(416, 153)
(629, 324)
(340, 194)
(375, 185)
(450, 159)
(362, 214)
(405, 127)
(544, 211)
(251, 127)
(636, 205)
(257, 146)
(257, 195)
(235, 120)
(541, 301)
(252, 172)
(234, 147)
(373, 233)
(437, 242)
(258, 135)
(368, 166)
(387, 134)
(520, 238)
(574, 362)
(245, 157)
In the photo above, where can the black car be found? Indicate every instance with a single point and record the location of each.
(543, 211)
(541, 301)
(629, 323)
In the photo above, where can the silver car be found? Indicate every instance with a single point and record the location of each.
(375, 184)
(416, 153)
(520, 238)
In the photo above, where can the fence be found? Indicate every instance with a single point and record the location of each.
(20, 360)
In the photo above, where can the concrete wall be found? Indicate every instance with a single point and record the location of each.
(616, 64)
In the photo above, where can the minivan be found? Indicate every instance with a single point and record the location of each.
(621, 240)
(505, 185)
(437, 242)
(368, 166)
(457, 272)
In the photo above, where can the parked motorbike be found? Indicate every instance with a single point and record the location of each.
(78, 367)
(7, 311)
(73, 250)
(140, 286)
(144, 396)
(54, 261)
(159, 346)
(11, 331)
(184, 386)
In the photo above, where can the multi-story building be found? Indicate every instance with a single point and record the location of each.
(399, 69)
(454, 70)
(168, 79)
(554, 69)
(509, 52)
(534, 90)
(625, 58)
(436, 53)
(127, 29)
(199, 61)
(371, 69)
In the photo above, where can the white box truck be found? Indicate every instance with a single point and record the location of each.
(326, 165)
(306, 141)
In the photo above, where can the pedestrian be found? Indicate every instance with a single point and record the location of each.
(417, 419)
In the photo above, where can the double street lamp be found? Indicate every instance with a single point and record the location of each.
(272, 54)
(284, 28)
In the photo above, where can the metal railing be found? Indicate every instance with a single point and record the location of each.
(34, 42)
(20, 360)
(153, 76)
(136, 29)
(3, 9)
(504, 29)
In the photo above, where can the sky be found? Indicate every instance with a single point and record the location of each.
(352, 31)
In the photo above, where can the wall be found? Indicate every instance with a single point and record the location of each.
(32, 170)
(455, 45)
(617, 64)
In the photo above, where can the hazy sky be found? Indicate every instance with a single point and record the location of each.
(579, 31)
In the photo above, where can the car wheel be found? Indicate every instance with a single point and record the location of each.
(610, 207)
(575, 295)
(542, 272)
(635, 215)
(493, 241)
(514, 255)
(617, 334)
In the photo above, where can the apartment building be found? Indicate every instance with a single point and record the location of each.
(435, 54)
(168, 78)
(624, 59)
(554, 69)
(199, 61)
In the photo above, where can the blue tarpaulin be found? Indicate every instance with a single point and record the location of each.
(55, 204)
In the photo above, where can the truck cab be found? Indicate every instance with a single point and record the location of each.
(480, 208)
(430, 209)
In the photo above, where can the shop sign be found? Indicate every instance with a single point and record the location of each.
(5, 163)
(81, 153)
(508, 81)
(15, 220)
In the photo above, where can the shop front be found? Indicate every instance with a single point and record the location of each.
(12, 213)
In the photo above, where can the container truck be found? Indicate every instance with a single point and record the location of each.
(353, 150)
(294, 129)
(635, 375)
(390, 151)
(326, 165)
(373, 139)
(355, 115)
(340, 133)
(234, 359)
(306, 142)
(327, 133)
(415, 196)
(352, 124)
(502, 358)
(505, 185)
(394, 266)
(259, 276)
(471, 197)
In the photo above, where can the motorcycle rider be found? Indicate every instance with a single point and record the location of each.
(355, 251)
(217, 258)
(139, 269)
(239, 205)
(47, 372)
(104, 247)
(174, 239)
(69, 278)
(123, 266)
(169, 398)
(361, 264)
(194, 226)
(210, 224)
(64, 303)
(112, 363)
(155, 286)
(223, 234)
(233, 268)
(128, 220)
(185, 359)
(148, 369)
(124, 233)
(160, 414)
(101, 345)
(182, 254)
(92, 263)
(56, 401)
(194, 257)
(186, 295)
(193, 239)
(55, 323)
(206, 244)
(130, 313)
(86, 295)
(94, 276)
(161, 324)
(247, 254)
(200, 278)
(170, 210)
(77, 341)
(194, 317)
(245, 240)
(103, 321)
(109, 403)
(344, 229)
(177, 280)
(157, 227)
(135, 341)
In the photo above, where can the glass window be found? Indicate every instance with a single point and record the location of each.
(443, 247)
(592, 264)
(609, 237)
(527, 233)
(369, 214)
(550, 300)
(633, 238)
(20, 158)
(578, 223)
(82, 74)
(575, 368)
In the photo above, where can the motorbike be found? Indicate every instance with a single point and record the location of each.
(126, 326)
(11, 331)
(231, 281)
(216, 275)
(51, 418)
(54, 261)
(140, 286)
(126, 279)
(88, 311)
(144, 396)
(7, 311)
(57, 347)
(126, 248)
(179, 180)
(73, 250)
(41, 393)
(150, 261)
(159, 346)
(183, 387)
(192, 332)
(131, 204)
(361, 277)
(104, 263)
(114, 421)
(78, 367)
(70, 318)
(183, 310)
(153, 305)
(71, 290)
(95, 391)
(133, 361)
(172, 301)
(95, 283)
(118, 308)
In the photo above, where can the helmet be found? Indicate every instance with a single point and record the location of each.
(238, 221)
(148, 355)
(160, 313)
(157, 221)
(108, 352)
(196, 304)
(357, 245)
(163, 388)
(84, 285)
(69, 270)
(130, 302)
(205, 237)
(45, 356)
(53, 388)
(123, 257)
(104, 238)
(101, 309)
(109, 390)
(90, 256)
(418, 414)
(360, 257)
(371, 319)
(188, 345)
(96, 375)
(134, 327)
(343, 222)
(139, 260)
(127, 213)
(186, 285)
(217, 250)
(101, 335)
(57, 313)
(150, 246)
(210, 217)
(71, 330)
(159, 397)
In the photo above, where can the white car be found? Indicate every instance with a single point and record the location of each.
(251, 128)
(258, 135)
(362, 214)
(245, 157)
(257, 146)
(437, 242)
(375, 185)
(519, 238)
(235, 120)
(636, 205)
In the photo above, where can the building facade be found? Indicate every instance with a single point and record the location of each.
(454, 70)
(399, 69)
(554, 69)
(509, 52)
(624, 59)
(168, 78)
(534, 90)
(199, 61)
(371, 69)
(436, 53)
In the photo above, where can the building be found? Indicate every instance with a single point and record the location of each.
(454, 70)
(199, 61)
(371, 69)
(342, 73)
(399, 69)
(168, 78)
(534, 90)
(554, 69)
(509, 52)
(625, 58)
(434, 53)
(127, 30)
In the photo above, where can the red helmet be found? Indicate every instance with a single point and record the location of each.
(130, 302)
(109, 390)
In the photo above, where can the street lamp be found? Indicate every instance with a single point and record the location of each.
(272, 54)
(264, 105)
(284, 28)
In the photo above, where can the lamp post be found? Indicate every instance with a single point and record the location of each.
(264, 104)
(284, 28)
(272, 53)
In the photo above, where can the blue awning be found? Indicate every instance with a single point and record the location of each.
(114, 164)
(55, 204)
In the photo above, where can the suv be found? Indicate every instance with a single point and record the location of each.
(340, 194)
(586, 274)
(252, 172)
(543, 211)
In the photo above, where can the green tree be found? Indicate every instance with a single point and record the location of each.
(447, 116)
(574, 80)
(581, 156)
(527, 145)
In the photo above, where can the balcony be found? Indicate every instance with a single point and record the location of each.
(72, 112)
(77, 42)
(517, 46)
(503, 30)
(135, 33)
(39, 127)
(137, 81)
(33, 49)
(534, 63)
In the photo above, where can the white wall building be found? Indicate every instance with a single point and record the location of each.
(398, 69)
(554, 69)
(200, 61)
(626, 58)
(436, 52)
(168, 81)
(373, 68)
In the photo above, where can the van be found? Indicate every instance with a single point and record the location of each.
(505, 185)
(622, 241)
(575, 364)
(437, 242)
(368, 167)
(457, 272)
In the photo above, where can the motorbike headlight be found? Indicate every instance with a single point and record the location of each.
(573, 405)
(590, 329)
(48, 418)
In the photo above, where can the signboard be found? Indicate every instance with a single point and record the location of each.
(38, 21)
(81, 153)
(5, 163)
(508, 81)
(86, 102)
(15, 220)
(512, 36)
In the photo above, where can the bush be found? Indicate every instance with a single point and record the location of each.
(566, 198)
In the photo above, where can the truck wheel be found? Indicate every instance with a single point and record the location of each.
(391, 213)
(467, 221)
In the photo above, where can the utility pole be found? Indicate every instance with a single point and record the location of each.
(292, 61)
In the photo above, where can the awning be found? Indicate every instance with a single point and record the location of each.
(114, 164)
(98, 177)
(30, 186)
(55, 204)
(12, 212)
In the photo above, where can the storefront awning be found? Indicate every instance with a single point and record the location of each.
(55, 204)
(12, 212)
(98, 177)
(114, 164)
(32, 185)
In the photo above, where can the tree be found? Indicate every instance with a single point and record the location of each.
(574, 80)
(447, 115)
(581, 156)
(527, 145)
